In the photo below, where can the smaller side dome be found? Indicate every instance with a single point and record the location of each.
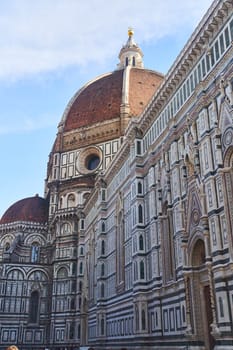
(32, 209)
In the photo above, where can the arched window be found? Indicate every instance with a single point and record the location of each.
(73, 286)
(66, 228)
(80, 286)
(126, 61)
(82, 224)
(102, 247)
(156, 318)
(139, 188)
(72, 328)
(81, 268)
(35, 252)
(102, 325)
(183, 313)
(102, 290)
(198, 255)
(74, 268)
(141, 243)
(134, 61)
(34, 307)
(81, 251)
(143, 320)
(102, 270)
(103, 227)
(79, 329)
(221, 309)
(71, 200)
(140, 214)
(72, 304)
(142, 270)
(138, 148)
(135, 271)
(62, 273)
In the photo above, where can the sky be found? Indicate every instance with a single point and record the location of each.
(50, 48)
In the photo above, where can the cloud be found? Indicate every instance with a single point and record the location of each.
(48, 35)
(28, 124)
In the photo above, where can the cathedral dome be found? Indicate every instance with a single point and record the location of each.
(101, 99)
(32, 209)
(111, 99)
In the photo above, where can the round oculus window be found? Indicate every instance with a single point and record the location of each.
(92, 161)
(89, 160)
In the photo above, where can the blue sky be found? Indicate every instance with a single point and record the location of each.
(49, 49)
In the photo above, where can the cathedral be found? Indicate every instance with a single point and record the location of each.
(131, 246)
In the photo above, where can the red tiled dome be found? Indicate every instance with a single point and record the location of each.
(89, 105)
(101, 99)
(32, 209)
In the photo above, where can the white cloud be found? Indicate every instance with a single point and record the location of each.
(46, 35)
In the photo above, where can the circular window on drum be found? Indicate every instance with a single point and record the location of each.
(89, 160)
(92, 162)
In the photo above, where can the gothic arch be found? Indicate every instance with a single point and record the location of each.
(193, 245)
(11, 274)
(8, 238)
(62, 272)
(194, 211)
(228, 158)
(38, 274)
(32, 238)
(71, 200)
(199, 291)
(198, 253)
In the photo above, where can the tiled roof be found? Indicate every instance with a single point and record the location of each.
(101, 99)
(32, 209)
(143, 83)
(97, 102)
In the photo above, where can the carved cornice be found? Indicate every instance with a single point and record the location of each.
(23, 226)
(187, 58)
(94, 134)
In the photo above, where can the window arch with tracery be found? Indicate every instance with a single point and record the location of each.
(139, 187)
(35, 252)
(66, 228)
(71, 200)
(141, 242)
(140, 214)
(102, 247)
(142, 270)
